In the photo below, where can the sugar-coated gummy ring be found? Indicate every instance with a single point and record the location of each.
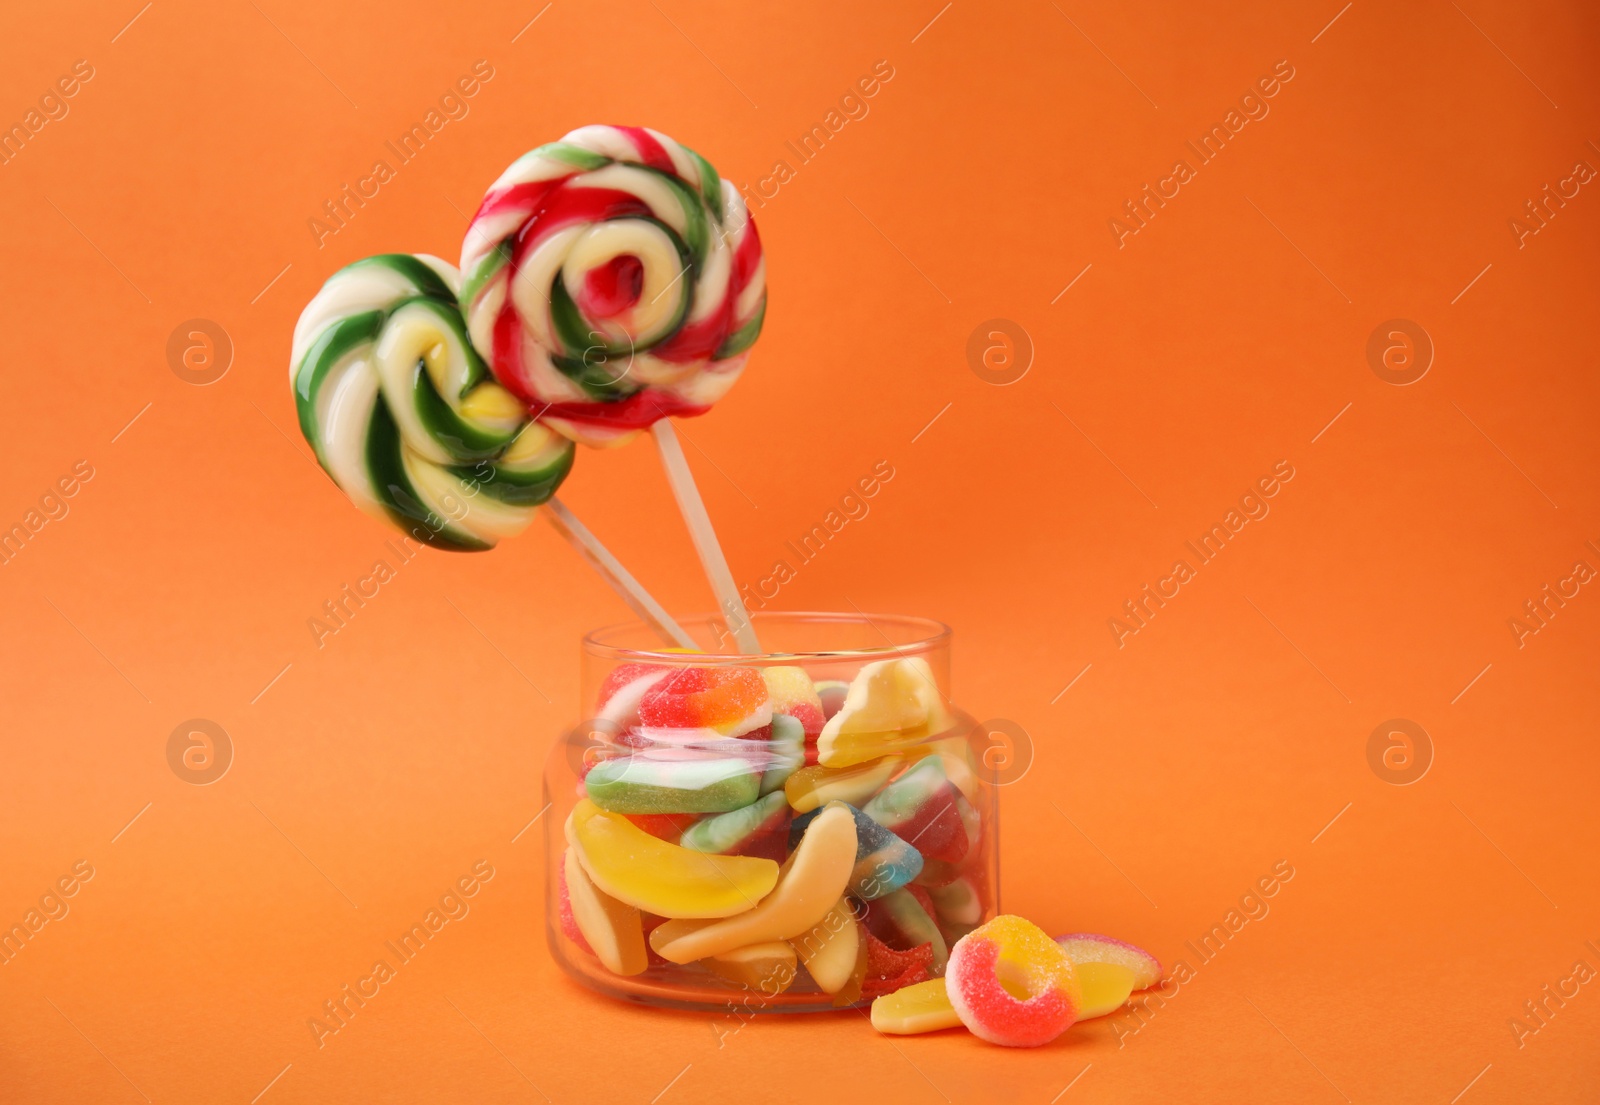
(612, 279)
(1011, 984)
(405, 416)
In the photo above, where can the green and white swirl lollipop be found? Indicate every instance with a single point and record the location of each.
(405, 416)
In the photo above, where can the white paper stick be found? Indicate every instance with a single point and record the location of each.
(704, 537)
(612, 571)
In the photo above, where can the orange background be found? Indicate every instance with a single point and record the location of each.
(1222, 338)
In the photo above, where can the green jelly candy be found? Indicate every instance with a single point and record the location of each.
(642, 783)
(786, 751)
(724, 832)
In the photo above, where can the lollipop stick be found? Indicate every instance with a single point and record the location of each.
(705, 538)
(612, 571)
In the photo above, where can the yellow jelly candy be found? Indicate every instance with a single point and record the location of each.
(1106, 987)
(613, 929)
(923, 1007)
(1110, 970)
(661, 878)
(828, 948)
(892, 706)
(811, 787)
(767, 968)
(812, 880)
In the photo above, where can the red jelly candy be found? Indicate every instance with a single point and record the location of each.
(664, 826)
(729, 700)
(622, 675)
(569, 923)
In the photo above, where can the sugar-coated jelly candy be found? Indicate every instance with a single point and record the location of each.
(759, 829)
(765, 968)
(1091, 947)
(890, 969)
(828, 949)
(1011, 984)
(904, 919)
(1108, 970)
(811, 881)
(920, 1007)
(624, 688)
(892, 706)
(731, 701)
(924, 806)
(811, 787)
(786, 751)
(884, 862)
(791, 693)
(662, 878)
(611, 929)
(671, 780)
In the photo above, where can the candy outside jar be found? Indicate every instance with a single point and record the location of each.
(801, 830)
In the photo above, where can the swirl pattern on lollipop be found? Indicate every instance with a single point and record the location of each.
(613, 279)
(404, 414)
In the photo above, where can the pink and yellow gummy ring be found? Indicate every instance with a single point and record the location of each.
(1011, 984)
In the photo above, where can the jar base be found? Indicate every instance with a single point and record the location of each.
(701, 991)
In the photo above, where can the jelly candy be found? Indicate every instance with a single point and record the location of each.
(1090, 947)
(884, 862)
(904, 917)
(622, 690)
(664, 826)
(791, 693)
(668, 780)
(785, 752)
(957, 903)
(1108, 970)
(569, 923)
(829, 948)
(892, 706)
(634, 867)
(731, 701)
(850, 992)
(652, 921)
(831, 693)
(811, 881)
(923, 808)
(811, 787)
(889, 969)
(610, 928)
(956, 756)
(767, 968)
(921, 1007)
(1012, 985)
(759, 829)
(1105, 988)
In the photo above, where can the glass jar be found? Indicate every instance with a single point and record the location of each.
(798, 830)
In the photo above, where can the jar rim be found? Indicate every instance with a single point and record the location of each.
(903, 634)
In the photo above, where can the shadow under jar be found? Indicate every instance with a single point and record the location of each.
(799, 830)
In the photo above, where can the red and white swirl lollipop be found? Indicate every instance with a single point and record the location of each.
(612, 279)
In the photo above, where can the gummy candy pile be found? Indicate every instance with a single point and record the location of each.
(1011, 984)
(779, 833)
(771, 828)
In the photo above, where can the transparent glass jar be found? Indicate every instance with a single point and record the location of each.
(798, 830)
